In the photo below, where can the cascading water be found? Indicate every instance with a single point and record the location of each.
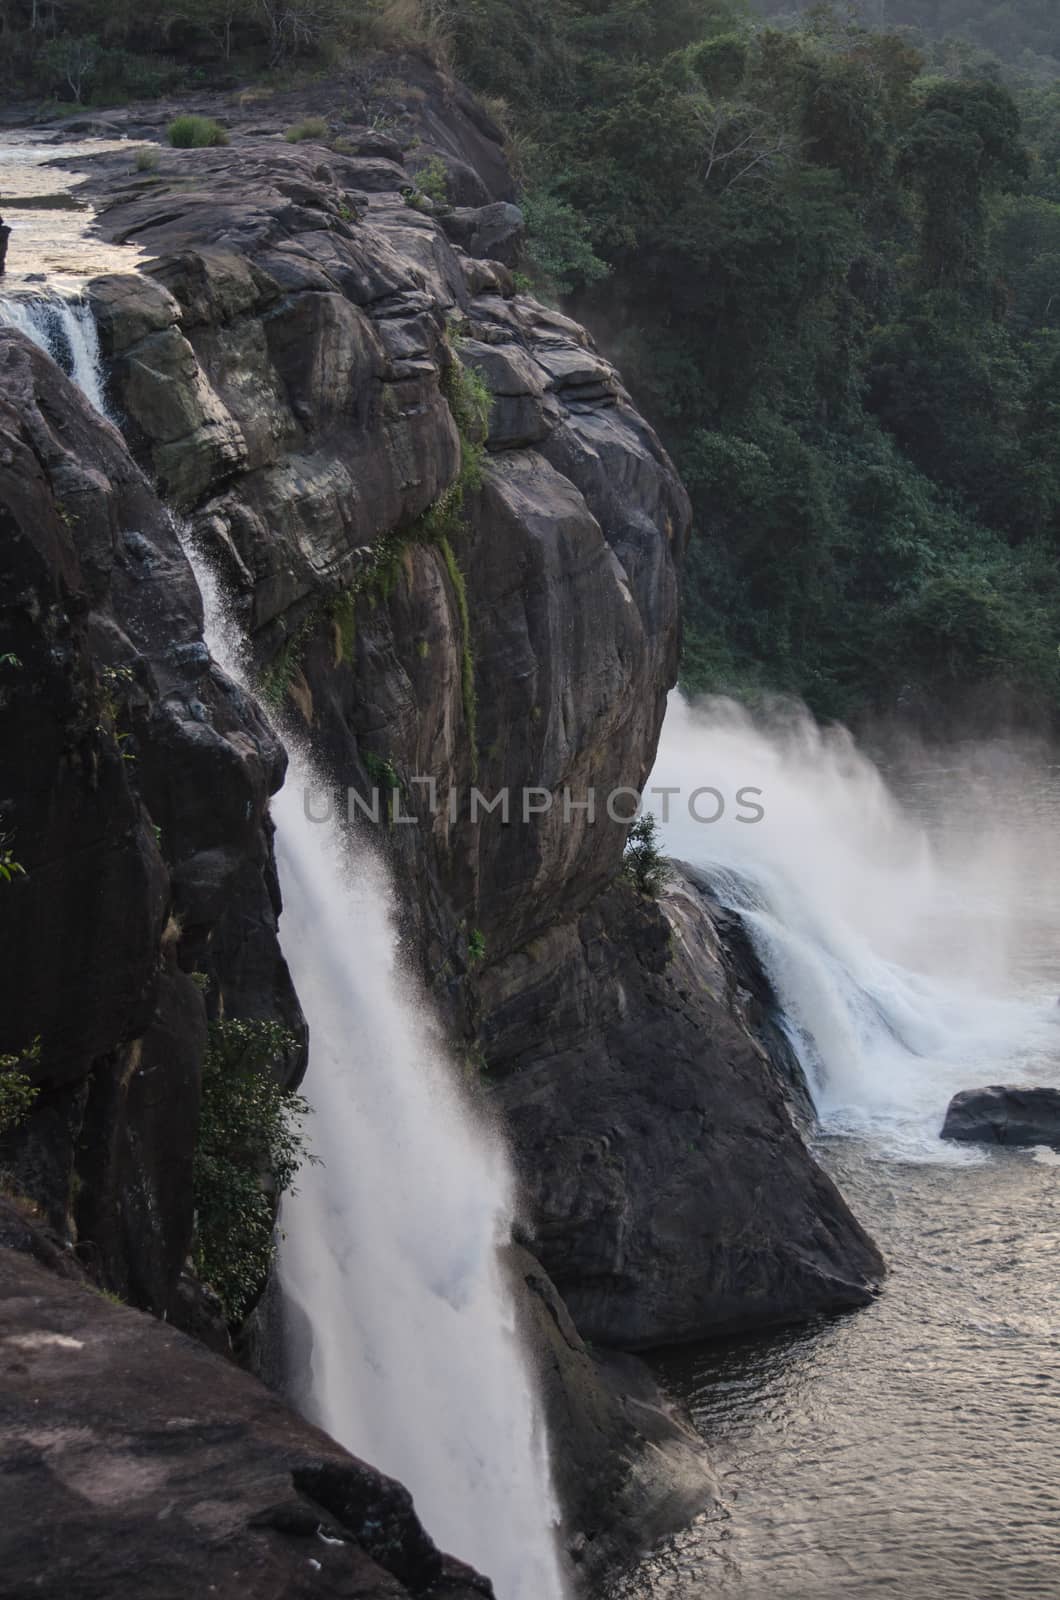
(893, 949)
(391, 1252)
(64, 328)
(391, 1246)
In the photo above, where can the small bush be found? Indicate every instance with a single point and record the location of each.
(17, 1095)
(645, 865)
(433, 180)
(559, 249)
(250, 1147)
(146, 159)
(191, 132)
(17, 1091)
(396, 24)
(10, 869)
(311, 128)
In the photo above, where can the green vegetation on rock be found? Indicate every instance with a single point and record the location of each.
(311, 128)
(190, 132)
(250, 1148)
(644, 864)
(18, 1092)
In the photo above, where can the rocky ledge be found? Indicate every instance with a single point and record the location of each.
(673, 1194)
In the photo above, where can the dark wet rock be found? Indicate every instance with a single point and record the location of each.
(128, 755)
(134, 1462)
(670, 1191)
(627, 1468)
(1004, 1115)
(322, 355)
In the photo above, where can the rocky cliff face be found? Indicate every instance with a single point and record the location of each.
(290, 369)
(136, 779)
(434, 590)
(673, 1193)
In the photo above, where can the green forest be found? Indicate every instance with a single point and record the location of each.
(822, 244)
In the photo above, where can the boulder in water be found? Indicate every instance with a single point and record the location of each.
(1004, 1115)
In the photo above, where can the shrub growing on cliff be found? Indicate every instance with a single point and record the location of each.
(195, 133)
(17, 1091)
(17, 1095)
(250, 1147)
(645, 865)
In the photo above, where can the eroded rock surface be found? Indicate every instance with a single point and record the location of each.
(286, 368)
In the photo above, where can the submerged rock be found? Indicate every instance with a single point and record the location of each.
(1004, 1115)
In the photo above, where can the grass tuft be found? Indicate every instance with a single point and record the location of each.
(190, 132)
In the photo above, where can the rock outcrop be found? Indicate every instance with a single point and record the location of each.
(1000, 1115)
(291, 369)
(627, 1469)
(672, 1192)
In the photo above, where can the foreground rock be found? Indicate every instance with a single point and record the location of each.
(1002, 1115)
(135, 1463)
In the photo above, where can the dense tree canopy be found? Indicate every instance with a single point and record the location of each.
(832, 277)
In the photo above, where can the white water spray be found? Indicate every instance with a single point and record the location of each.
(390, 1255)
(893, 944)
(64, 328)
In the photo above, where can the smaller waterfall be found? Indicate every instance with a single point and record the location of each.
(893, 946)
(65, 329)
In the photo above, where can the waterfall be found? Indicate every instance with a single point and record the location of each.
(65, 329)
(390, 1253)
(893, 941)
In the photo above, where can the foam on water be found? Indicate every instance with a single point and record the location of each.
(892, 948)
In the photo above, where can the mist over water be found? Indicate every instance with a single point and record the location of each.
(402, 1341)
(910, 926)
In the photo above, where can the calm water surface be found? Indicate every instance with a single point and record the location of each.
(911, 1450)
